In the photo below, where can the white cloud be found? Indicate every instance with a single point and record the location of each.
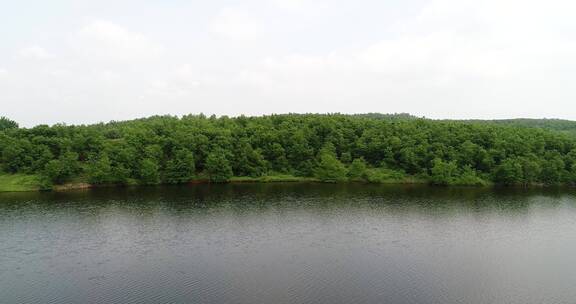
(3, 72)
(178, 82)
(186, 76)
(451, 53)
(107, 40)
(289, 4)
(235, 24)
(439, 58)
(107, 76)
(484, 45)
(184, 71)
(34, 52)
(165, 89)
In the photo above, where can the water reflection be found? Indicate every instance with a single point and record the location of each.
(265, 196)
(288, 243)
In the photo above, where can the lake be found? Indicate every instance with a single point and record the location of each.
(289, 243)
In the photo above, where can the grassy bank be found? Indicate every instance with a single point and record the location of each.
(272, 179)
(22, 182)
(19, 183)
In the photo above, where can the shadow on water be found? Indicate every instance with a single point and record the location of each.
(256, 197)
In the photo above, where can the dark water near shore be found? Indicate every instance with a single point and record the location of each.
(289, 243)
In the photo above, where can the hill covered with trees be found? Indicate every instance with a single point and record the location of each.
(560, 125)
(325, 147)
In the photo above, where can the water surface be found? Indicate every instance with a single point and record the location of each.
(288, 243)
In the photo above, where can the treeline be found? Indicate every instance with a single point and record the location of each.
(331, 147)
(560, 125)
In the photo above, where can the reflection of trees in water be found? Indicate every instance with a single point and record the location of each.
(252, 197)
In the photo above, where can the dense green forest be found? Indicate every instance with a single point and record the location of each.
(325, 147)
(560, 125)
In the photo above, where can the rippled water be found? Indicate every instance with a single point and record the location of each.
(288, 243)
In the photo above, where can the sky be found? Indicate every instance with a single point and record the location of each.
(79, 61)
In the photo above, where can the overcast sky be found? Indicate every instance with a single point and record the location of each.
(79, 61)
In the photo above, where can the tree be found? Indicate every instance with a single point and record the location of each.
(468, 153)
(443, 173)
(247, 160)
(385, 148)
(100, 170)
(277, 155)
(469, 177)
(531, 169)
(149, 174)
(509, 172)
(61, 170)
(6, 123)
(103, 171)
(357, 170)
(16, 156)
(571, 175)
(181, 167)
(346, 157)
(41, 156)
(553, 171)
(330, 169)
(56, 171)
(218, 167)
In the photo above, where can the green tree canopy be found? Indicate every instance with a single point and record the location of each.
(443, 173)
(62, 169)
(100, 170)
(509, 172)
(330, 147)
(149, 171)
(218, 167)
(357, 170)
(6, 123)
(329, 168)
(181, 167)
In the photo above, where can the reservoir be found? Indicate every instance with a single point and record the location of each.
(289, 243)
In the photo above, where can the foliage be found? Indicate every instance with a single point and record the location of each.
(509, 172)
(21, 182)
(443, 173)
(218, 167)
(181, 167)
(382, 175)
(62, 169)
(6, 123)
(329, 168)
(564, 126)
(100, 170)
(469, 177)
(149, 172)
(357, 170)
(103, 171)
(332, 147)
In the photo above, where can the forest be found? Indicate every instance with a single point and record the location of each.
(371, 148)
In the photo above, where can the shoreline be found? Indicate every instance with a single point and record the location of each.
(30, 186)
(13, 186)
